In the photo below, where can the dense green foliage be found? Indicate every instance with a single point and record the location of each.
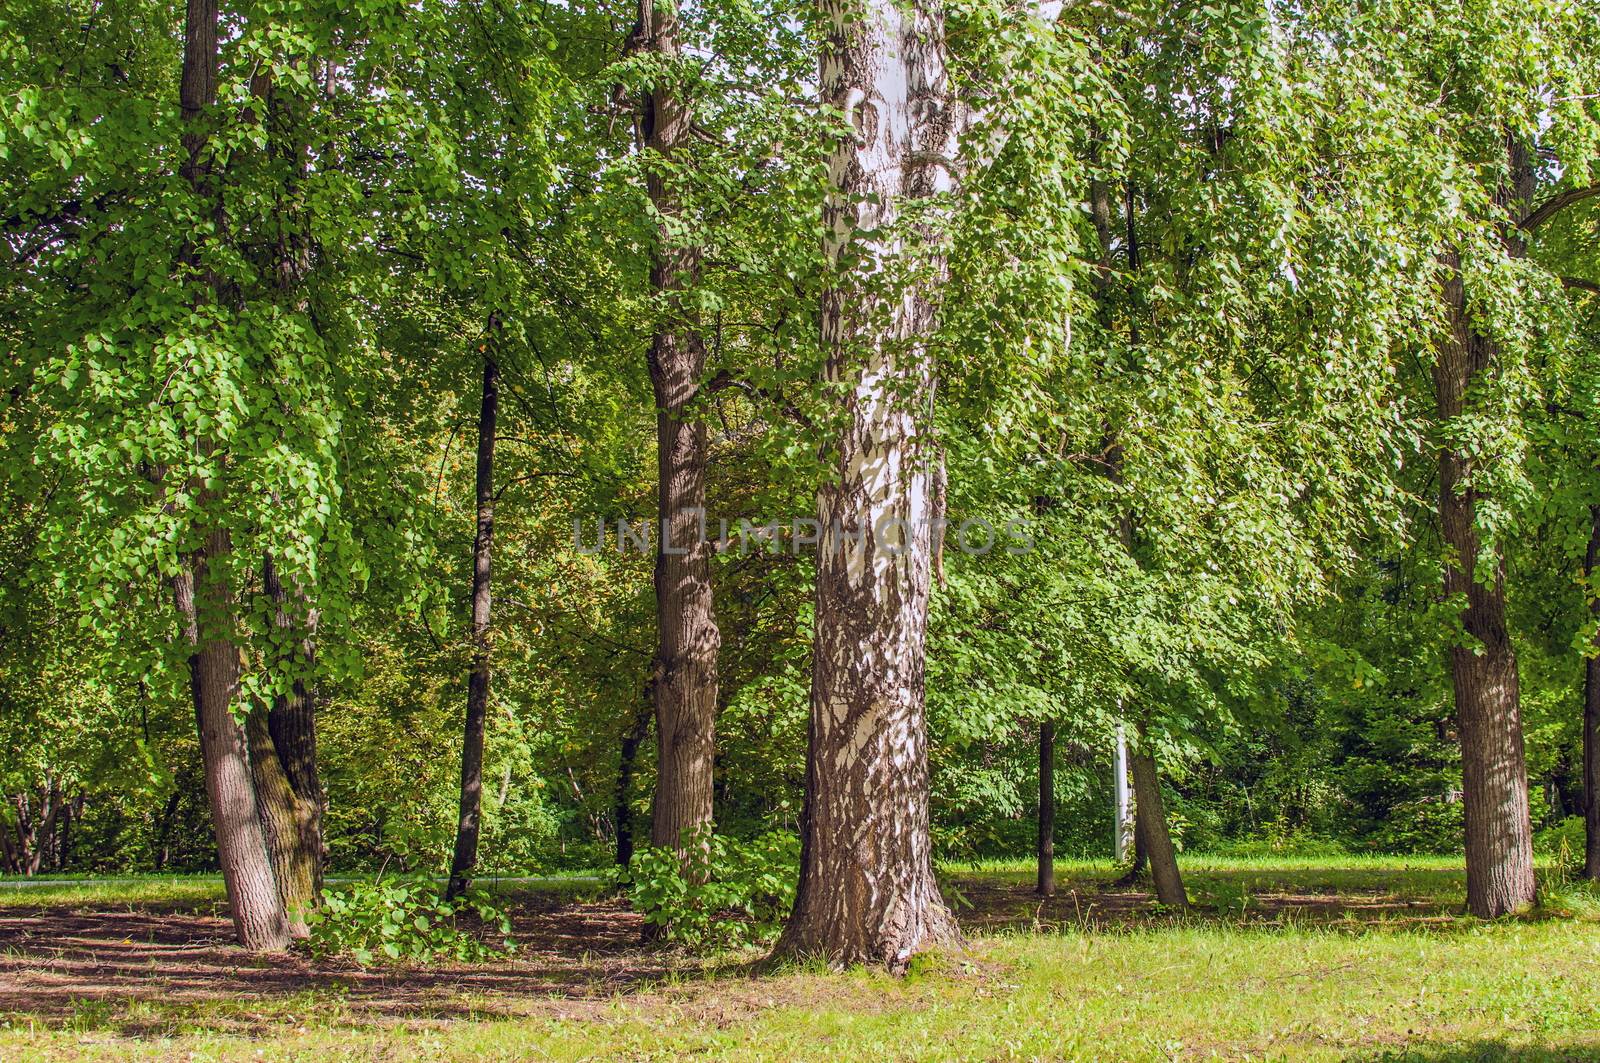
(727, 893)
(1184, 339)
(403, 919)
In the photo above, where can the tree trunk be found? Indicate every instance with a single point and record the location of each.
(1152, 827)
(1121, 805)
(687, 639)
(283, 758)
(247, 874)
(470, 822)
(1046, 885)
(70, 814)
(1494, 779)
(169, 813)
(203, 599)
(624, 804)
(1591, 710)
(867, 891)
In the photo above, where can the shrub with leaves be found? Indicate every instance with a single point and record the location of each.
(408, 919)
(723, 894)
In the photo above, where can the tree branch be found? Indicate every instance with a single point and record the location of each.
(1559, 201)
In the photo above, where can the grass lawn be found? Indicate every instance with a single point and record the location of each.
(1341, 958)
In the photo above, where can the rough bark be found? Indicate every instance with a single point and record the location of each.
(687, 638)
(469, 823)
(1483, 665)
(1151, 824)
(242, 847)
(283, 759)
(294, 878)
(867, 891)
(1591, 711)
(1046, 884)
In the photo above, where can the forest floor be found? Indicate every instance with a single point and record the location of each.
(1335, 958)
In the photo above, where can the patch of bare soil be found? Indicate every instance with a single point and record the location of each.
(53, 960)
(572, 958)
(991, 906)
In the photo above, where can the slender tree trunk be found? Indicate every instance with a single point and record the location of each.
(1591, 711)
(1122, 806)
(1046, 885)
(70, 815)
(1483, 665)
(1152, 827)
(469, 824)
(169, 812)
(624, 805)
(867, 891)
(10, 857)
(685, 680)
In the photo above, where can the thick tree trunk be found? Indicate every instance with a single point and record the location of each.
(1151, 824)
(687, 639)
(1046, 885)
(283, 758)
(1591, 711)
(203, 599)
(867, 891)
(242, 847)
(1483, 666)
(470, 822)
(294, 869)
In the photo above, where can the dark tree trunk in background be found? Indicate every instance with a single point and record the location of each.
(70, 814)
(867, 890)
(1483, 666)
(625, 767)
(1150, 824)
(470, 821)
(169, 813)
(1046, 885)
(687, 639)
(1591, 711)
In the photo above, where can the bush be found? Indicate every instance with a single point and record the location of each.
(724, 894)
(407, 919)
(1280, 845)
(1426, 826)
(1566, 836)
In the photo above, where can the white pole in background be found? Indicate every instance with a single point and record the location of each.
(1123, 837)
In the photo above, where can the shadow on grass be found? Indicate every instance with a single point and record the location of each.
(161, 970)
(1477, 1052)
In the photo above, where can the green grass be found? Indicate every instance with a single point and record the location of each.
(132, 890)
(1208, 986)
(206, 890)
